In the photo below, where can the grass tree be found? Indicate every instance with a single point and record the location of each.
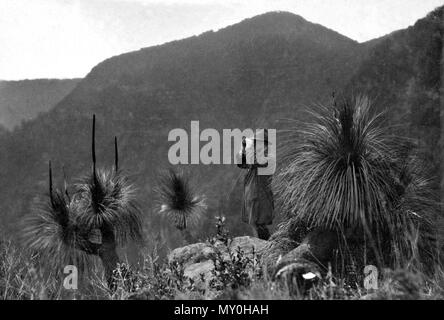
(345, 171)
(179, 201)
(100, 216)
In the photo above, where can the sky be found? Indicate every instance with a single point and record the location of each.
(66, 38)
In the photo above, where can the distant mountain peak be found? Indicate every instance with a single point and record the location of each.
(278, 16)
(281, 22)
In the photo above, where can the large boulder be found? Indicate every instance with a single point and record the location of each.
(198, 252)
(305, 263)
(317, 247)
(200, 271)
(191, 254)
(197, 258)
(248, 245)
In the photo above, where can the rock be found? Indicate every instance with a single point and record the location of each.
(303, 266)
(247, 243)
(190, 254)
(305, 269)
(199, 252)
(299, 276)
(197, 260)
(317, 248)
(198, 270)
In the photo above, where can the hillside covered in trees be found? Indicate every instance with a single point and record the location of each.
(23, 100)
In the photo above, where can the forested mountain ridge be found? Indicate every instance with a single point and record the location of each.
(404, 75)
(23, 100)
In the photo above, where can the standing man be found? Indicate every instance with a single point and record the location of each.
(258, 204)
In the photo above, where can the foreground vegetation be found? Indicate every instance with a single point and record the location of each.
(351, 195)
(22, 279)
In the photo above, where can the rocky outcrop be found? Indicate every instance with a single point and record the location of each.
(301, 266)
(197, 258)
(309, 257)
(305, 263)
(200, 271)
(316, 248)
(191, 254)
(248, 245)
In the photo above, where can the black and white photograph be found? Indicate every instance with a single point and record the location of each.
(222, 155)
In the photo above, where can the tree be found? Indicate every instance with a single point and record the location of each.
(345, 172)
(101, 215)
(179, 201)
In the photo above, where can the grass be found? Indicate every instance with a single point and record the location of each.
(21, 277)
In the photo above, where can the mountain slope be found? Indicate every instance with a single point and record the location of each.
(23, 100)
(246, 75)
(403, 72)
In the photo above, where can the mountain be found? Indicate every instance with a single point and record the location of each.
(404, 73)
(246, 75)
(256, 73)
(23, 100)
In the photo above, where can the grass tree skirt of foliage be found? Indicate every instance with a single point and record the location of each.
(352, 194)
